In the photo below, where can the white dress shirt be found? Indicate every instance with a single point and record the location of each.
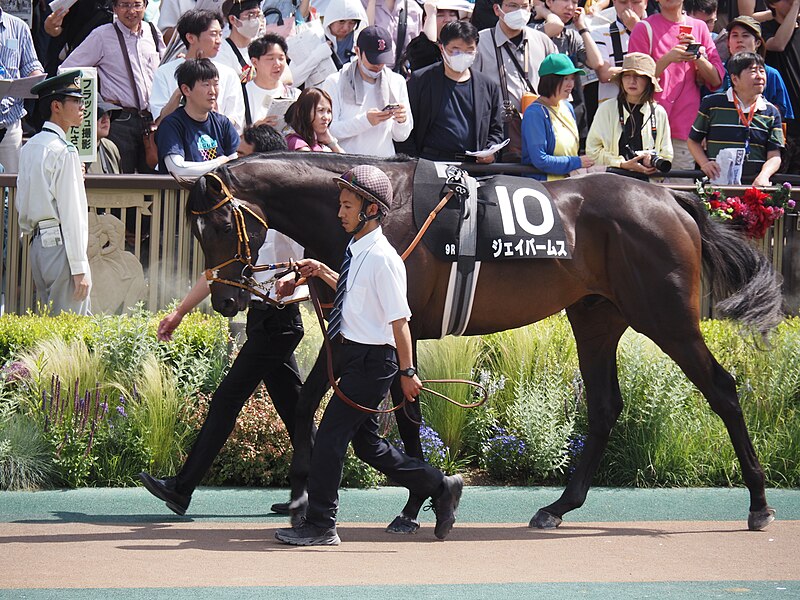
(230, 101)
(50, 186)
(278, 248)
(376, 291)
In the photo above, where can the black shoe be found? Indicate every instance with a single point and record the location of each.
(281, 508)
(164, 489)
(403, 525)
(446, 504)
(306, 534)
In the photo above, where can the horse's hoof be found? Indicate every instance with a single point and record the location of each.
(403, 525)
(544, 520)
(758, 519)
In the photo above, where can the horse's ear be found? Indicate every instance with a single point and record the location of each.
(186, 183)
(214, 186)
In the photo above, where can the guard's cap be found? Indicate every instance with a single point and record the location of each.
(237, 7)
(376, 43)
(370, 183)
(65, 84)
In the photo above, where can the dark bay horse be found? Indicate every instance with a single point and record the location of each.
(638, 253)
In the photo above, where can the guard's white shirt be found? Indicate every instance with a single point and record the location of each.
(278, 248)
(50, 186)
(230, 101)
(376, 291)
(350, 125)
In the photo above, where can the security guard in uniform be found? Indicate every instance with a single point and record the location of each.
(369, 330)
(51, 200)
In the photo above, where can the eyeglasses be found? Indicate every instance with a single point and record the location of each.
(511, 6)
(131, 5)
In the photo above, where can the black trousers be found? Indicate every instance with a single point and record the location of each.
(126, 132)
(366, 374)
(268, 356)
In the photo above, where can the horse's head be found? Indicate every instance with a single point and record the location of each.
(230, 232)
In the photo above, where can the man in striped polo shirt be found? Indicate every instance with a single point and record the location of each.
(740, 118)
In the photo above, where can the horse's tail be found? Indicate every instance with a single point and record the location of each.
(742, 279)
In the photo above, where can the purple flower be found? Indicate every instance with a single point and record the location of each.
(121, 411)
(787, 185)
(791, 203)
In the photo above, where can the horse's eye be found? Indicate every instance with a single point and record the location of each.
(228, 228)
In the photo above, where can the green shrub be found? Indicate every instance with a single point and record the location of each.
(26, 458)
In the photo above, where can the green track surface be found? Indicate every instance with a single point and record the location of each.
(478, 505)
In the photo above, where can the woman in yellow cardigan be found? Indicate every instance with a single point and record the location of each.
(631, 135)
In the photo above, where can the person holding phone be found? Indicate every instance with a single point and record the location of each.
(686, 59)
(370, 102)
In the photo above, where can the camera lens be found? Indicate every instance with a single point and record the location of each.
(662, 164)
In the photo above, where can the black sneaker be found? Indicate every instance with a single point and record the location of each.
(306, 534)
(446, 504)
(403, 525)
(164, 489)
(281, 508)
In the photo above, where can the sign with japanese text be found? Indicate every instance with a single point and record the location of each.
(84, 137)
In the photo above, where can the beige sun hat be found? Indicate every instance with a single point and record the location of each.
(641, 64)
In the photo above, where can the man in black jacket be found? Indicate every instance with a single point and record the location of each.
(458, 109)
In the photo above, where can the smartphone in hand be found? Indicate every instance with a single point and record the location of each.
(391, 107)
(693, 49)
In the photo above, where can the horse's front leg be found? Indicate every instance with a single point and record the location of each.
(314, 388)
(408, 423)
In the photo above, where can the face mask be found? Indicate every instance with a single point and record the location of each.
(517, 19)
(249, 28)
(367, 73)
(459, 62)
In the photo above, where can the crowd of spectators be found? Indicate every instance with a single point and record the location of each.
(573, 85)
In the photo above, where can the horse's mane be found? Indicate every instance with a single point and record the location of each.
(298, 164)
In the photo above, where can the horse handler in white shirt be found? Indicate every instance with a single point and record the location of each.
(370, 102)
(368, 329)
(51, 200)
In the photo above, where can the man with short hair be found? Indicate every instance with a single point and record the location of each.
(201, 31)
(244, 19)
(51, 200)
(455, 109)
(170, 11)
(740, 118)
(193, 139)
(703, 10)
(268, 57)
(17, 59)
(125, 79)
(370, 102)
(510, 53)
(368, 329)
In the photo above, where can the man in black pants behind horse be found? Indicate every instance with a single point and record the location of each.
(370, 337)
(267, 355)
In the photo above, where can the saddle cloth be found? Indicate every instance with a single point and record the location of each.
(516, 218)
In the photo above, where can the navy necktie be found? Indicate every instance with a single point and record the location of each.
(335, 321)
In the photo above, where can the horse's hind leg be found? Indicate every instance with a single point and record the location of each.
(687, 348)
(598, 326)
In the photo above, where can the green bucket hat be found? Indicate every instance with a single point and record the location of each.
(558, 64)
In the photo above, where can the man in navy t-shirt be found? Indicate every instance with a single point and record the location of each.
(194, 139)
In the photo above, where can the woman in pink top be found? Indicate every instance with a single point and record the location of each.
(686, 58)
(309, 117)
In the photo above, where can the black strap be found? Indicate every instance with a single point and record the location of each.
(501, 68)
(652, 120)
(248, 119)
(402, 26)
(520, 70)
(616, 43)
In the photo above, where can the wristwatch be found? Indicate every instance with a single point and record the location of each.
(409, 372)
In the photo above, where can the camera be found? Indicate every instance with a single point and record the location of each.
(662, 164)
(510, 112)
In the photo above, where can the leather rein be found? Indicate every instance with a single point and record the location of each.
(244, 256)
